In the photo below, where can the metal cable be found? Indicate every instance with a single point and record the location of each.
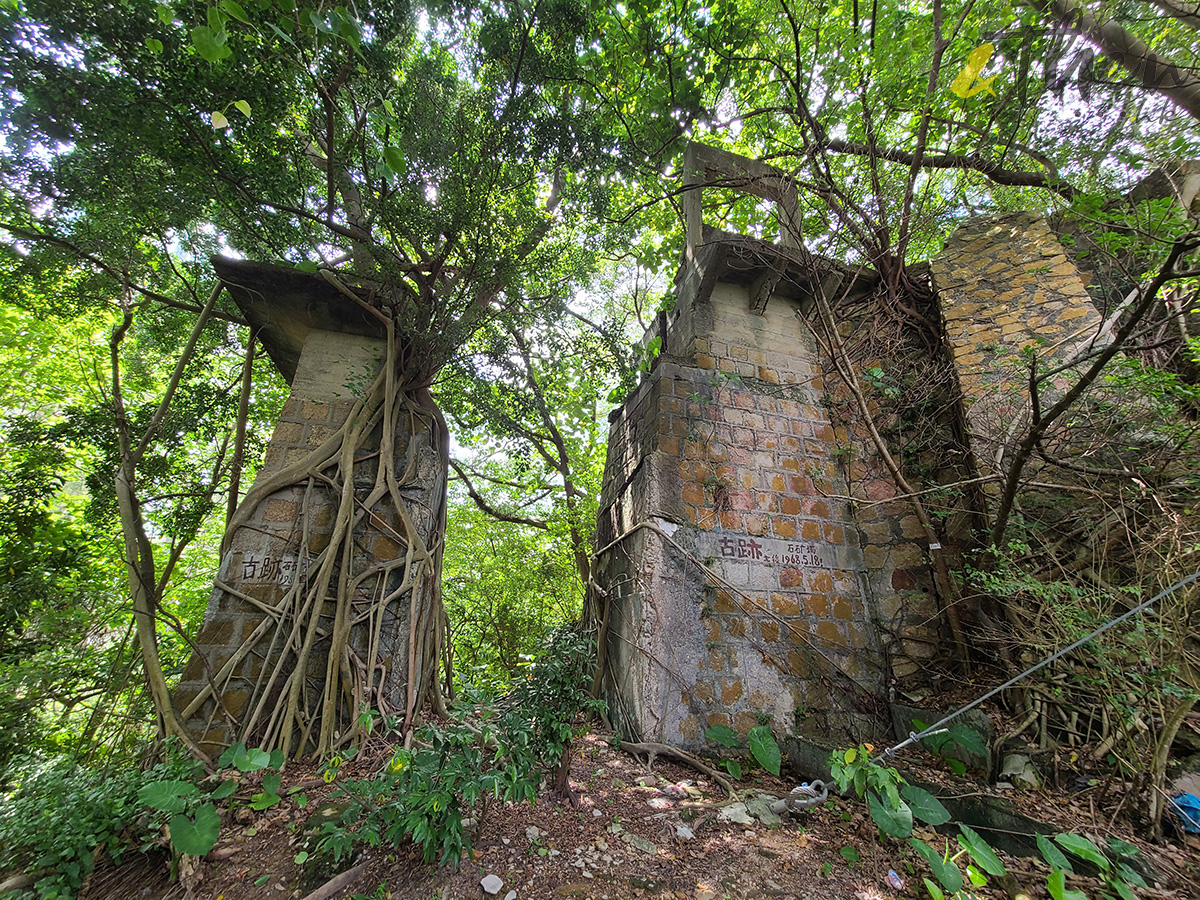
(913, 736)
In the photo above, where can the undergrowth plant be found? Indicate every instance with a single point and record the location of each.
(763, 747)
(60, 817)
(961, 867)
(496, 749)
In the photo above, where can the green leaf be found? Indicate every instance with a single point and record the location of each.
(261, 880)
(252, 760)
(896, 822)
(167, 795)
(949, 875)
(271, 782)
(244, 108)
(723, 735)
(925, 806)
(1131, 875)
(223, 790)
(301, 857)
(764, 748)
(934, 891)
(154, 45)
(976, 877)
(395, 160)
(204, 39)
(225, 760)
(1083, 848)
(262, 801)
(166, 15)
(968, 739)
(1124, 891)
(981, 852)
(956, 766)
(216, 20)
(733, 767)
(1054, 856)
(1056, 884)
(219, 121)
(389, 108)
(235, 10)
(945, 872)
(851, 755)
(283, 35)
(849, 854)
(1122, 848)
(196, 837)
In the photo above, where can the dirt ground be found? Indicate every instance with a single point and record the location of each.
(636, 833)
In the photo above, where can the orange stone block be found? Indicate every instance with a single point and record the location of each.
(731, 693)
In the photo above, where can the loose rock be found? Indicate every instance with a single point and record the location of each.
(491, 884)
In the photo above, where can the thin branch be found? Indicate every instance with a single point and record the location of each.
(44, 237)
(1033, 437)
(488, 508)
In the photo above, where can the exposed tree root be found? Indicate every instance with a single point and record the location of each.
(383, 471)
(650, 749)
(338, 882)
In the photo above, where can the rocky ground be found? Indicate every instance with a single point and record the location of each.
(660, 832)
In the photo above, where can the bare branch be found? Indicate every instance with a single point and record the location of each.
(488, 508)
(1126, 49)
(993, 171)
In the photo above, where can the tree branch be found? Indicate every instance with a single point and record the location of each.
(993, 171)
(1033, 437)
(488, 508)
(43, 237)
(1126, 49)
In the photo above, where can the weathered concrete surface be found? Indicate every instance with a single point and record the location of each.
(760, 562)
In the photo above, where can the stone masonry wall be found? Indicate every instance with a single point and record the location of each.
(269, 560)
(728, 450)
(1009, 294)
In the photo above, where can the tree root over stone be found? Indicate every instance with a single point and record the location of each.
(370, 474)
(650, 749)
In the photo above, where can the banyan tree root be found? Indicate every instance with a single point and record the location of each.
(385, 469)
(337, 883)
(650, 750)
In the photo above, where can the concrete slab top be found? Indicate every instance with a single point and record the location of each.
(740, 259)
(284, 304)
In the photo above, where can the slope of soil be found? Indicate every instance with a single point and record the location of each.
(636, 832)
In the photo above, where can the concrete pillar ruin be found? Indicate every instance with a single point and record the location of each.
(329, 350)
(745, 579)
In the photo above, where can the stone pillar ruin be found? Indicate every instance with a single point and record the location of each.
(742, 581)
(1009, 293)
(329, 350)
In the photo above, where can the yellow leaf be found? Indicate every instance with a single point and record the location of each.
(243, 107)
(965, 85)
(218, 120)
